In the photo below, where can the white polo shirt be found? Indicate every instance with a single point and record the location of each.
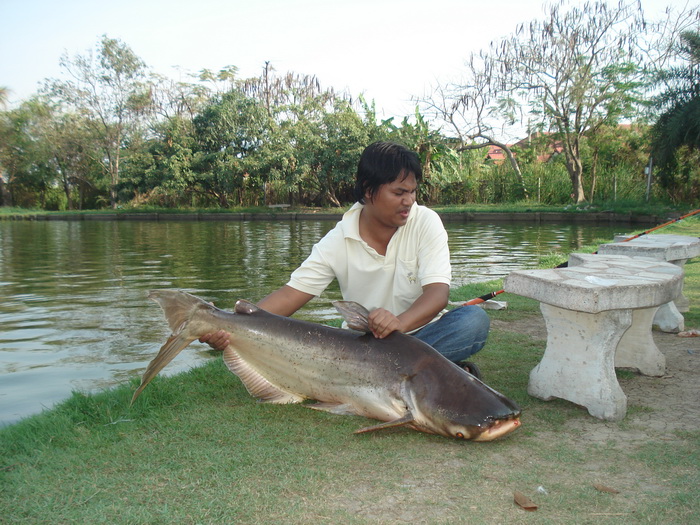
(417, 255)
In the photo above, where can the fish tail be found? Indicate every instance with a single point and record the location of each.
(179, 308)
(172, 347)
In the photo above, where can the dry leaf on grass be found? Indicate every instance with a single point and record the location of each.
(525, 502)
(603, 488)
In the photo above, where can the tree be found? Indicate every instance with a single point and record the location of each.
(577, 69)
(67, 143)
(619, 152)
(332, 140)
(228, 132)
(112, 93)
(472, 107)
(24, 155)
(10, 160)
(46, 150)
(178, 100)
(283, 95)
(311, 134)
(678, 125)
(163, 172)
(5, 196)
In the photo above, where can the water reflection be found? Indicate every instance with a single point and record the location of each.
(74, 313)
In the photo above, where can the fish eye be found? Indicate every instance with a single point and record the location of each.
(459, 435)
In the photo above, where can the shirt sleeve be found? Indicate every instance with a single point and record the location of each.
(315, 274)
(433, 252)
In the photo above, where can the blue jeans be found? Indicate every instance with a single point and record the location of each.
(457, 334)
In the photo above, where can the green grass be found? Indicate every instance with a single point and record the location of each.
(196, 448)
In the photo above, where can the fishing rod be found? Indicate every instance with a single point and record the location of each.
(491, 295)
(695, 212)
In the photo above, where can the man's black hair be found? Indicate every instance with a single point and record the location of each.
(383, 163)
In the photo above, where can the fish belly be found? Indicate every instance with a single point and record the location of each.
(320, 366)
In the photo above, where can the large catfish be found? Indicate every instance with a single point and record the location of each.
(399, 379)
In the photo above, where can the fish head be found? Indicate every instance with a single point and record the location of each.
(452, 403)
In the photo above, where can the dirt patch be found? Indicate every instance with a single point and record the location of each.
(657, 407)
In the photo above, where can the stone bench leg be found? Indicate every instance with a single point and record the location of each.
(637, 348)
(669, 319)
(681, 302)
(579, 361)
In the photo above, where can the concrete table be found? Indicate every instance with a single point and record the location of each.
(676, 249)
(598, 314)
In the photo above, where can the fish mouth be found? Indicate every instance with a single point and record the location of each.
(498, 429)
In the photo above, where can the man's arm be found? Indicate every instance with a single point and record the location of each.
(433, 299)
(283, 301)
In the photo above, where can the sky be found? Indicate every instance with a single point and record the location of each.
(387, 50)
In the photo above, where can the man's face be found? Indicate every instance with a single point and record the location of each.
(392, 202)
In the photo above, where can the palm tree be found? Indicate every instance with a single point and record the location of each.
(679, 124)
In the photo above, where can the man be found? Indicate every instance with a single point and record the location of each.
(390, 255)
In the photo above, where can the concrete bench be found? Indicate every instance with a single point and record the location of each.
(676, 249)
(598, 313)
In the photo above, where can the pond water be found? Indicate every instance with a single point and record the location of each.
(74, 313)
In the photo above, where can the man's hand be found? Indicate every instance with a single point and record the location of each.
(217, 340)
(382, 323)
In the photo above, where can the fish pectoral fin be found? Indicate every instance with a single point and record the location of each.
(405, 420)
(343, 409)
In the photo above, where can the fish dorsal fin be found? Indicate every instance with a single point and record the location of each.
(354, 314)
(245, 307)
(257, 386)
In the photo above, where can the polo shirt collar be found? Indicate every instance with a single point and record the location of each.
(351, 220)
